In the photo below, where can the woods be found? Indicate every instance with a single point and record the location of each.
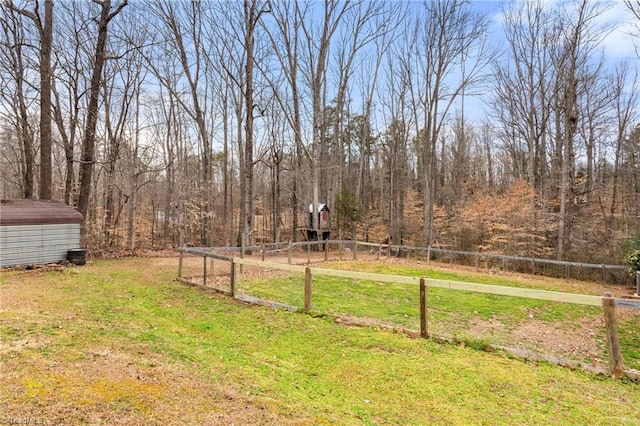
(510, 130)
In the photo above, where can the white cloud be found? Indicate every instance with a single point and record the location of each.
(619, 42)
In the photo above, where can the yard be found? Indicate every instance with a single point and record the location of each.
(120, 342)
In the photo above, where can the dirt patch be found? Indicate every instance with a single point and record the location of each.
(35, 342)
(491, 327)
(118, 386)
(579, 342)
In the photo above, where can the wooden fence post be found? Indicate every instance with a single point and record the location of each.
(567, 272)
(638, 283)
(242, 243)
(180, 265)
(379, 251)
(289, 249)
(204, 270)
(340, 249)
(308, 282)
(232, 283)
(263, 250)
(423, 309)
(615, 355)
(326, 250)
(308, 252)
(355, 250)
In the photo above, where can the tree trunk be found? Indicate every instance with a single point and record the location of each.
(88, 143)
(251, 17)
(45, 101)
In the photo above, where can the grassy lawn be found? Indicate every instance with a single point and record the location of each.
(119, 342)
(563, 330)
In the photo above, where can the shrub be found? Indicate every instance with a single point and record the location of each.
(632, 260)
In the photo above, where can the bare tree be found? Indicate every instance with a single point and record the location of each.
(575, 38)
(306, 39)
(595, 104)
(634, 7)
(394, 147)
(446, 34)
(522, 101)
(285, 38)
(368, 21)
(15, 91)
(317, 45)
(253, 10)
(181, 34)
(46, 40)
(369, 76)
(44, 26)
(121, 89)
(89, 139)
(229, 65)
(626, 94)
(71, 56)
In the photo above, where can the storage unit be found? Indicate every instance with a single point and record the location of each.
(37, 231)
(324, 224)
(323, 216)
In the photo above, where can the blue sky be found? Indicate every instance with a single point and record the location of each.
(618, 44)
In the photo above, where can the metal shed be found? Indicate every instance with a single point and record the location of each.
(37, 231)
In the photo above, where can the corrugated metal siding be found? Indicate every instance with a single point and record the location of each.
(27, 244)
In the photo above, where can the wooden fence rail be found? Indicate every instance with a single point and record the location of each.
(354, 245)
(429, 251)
(529, 293)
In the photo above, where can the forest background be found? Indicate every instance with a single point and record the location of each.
(503, 127)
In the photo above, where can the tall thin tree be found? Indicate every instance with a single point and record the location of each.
(89, 140)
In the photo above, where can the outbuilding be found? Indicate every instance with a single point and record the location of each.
(38, 232)
(323, 231)
(323, 216)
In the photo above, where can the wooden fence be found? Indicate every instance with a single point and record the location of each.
(550, 267)
(605, 273)
(607, 302)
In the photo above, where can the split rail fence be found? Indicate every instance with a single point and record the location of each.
(608, 303)
(605, 273)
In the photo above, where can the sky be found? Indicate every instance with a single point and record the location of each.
(618, 44)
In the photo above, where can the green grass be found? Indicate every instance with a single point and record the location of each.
(121, 342)
(629, 331)
(453, 313)
(400, 303)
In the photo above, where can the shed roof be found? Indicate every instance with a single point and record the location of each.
(36, 212)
